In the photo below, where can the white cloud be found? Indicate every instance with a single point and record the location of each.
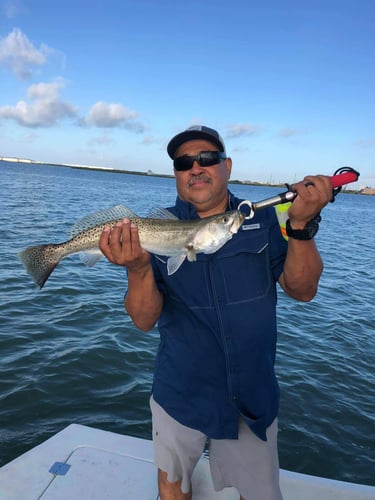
(149, 139)
(241, 129)
(19, 55)
(13, 8)
(45, 108)
(288, 132)
(101, 139)
(240, 149)
(108, 115)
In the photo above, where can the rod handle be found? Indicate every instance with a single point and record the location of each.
(344, 178)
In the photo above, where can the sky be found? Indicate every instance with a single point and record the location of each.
(290, 85)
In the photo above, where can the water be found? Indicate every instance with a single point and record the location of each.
(70, 354)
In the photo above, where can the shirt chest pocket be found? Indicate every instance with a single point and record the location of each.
(245, 274)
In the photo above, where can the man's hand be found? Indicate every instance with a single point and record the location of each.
(314, 192)
(121, 246)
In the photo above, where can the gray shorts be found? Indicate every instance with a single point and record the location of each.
(248, 464)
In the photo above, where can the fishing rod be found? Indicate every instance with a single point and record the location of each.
(342, 176)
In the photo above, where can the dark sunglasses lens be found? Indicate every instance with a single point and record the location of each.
(205, 159)
(184, 162)
(209, 158)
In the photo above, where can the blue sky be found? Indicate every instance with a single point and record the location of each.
(290, 85)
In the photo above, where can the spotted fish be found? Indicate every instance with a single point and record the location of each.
(162, 234)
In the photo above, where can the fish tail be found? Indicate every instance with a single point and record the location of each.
(40, 261)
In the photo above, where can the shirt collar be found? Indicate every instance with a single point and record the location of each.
(186, 210)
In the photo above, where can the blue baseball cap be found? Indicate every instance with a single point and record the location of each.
(193, 133)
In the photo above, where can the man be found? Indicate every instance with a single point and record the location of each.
(214, 373)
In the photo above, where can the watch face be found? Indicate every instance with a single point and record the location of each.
(312, 228)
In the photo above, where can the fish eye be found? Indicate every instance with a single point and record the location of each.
(225, 219)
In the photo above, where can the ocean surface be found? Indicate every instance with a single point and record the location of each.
(69, 353)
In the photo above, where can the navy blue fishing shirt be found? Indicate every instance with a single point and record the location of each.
(218, 330)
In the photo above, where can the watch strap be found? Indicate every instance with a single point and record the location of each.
(307, 233)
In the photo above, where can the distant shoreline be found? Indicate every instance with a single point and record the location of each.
(150, 173)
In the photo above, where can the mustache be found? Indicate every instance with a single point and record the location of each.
(199, 178)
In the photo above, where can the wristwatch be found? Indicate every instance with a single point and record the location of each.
(307, 233)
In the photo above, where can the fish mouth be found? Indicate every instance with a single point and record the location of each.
(237, 222)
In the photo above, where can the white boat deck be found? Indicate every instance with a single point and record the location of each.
(82, 463)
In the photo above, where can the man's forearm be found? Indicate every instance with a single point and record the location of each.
(302, 270)
(144, 301)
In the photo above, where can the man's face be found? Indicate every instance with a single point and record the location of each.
(204, 187)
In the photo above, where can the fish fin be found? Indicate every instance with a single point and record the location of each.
(161, 213)
(90, 257)
(39, 262)
(174, 263)
(101, 217)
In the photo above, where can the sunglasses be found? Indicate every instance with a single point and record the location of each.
(204, 159)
